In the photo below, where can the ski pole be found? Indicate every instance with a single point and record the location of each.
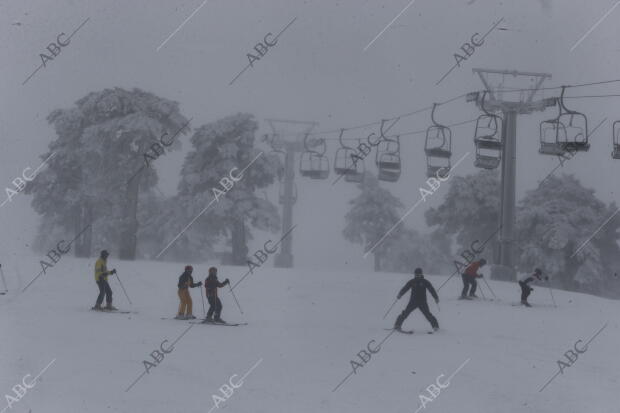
(204, 312)
(482, 293)
(119, 281)
(235, 297)
(390, 309)
(3, 279)
(552, 299)
(489, 287)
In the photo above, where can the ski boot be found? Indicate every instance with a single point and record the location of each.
(110, 307)
(435, 328)
(209, 319)
(190, 317)
(219, 321)
(97, 308)
(471, 296)
(525, 303)
(179, 317)
(464, 297)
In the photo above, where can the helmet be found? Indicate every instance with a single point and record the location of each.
(105, 253)
(212, 270)
(189, 268)
(483, 261)
(538, 271)
(418, 271)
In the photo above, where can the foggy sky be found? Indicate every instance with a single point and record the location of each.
(318, 71)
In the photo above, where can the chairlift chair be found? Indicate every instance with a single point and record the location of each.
(488, 139)
(616, 140)
(314, 164)
(347, 162)
(387, 157)
(437, 147)
(567, 132)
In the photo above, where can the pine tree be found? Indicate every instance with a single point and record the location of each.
(225, 169)
(373, 213)
(101, 143)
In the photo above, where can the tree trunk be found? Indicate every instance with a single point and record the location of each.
(239, 247)
(129, 239)
(83, 224)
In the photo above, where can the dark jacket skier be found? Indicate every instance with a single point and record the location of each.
(418, 286)
(469, 278)
(101, 278)
(215, 305)
(185, 282)
(525, 288)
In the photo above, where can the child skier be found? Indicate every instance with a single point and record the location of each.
(418, 285)
(101, 278)
(469, 278)
(215, 305)
(524, 279)
(185, 282)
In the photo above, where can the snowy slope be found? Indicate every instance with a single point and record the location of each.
(305, 327)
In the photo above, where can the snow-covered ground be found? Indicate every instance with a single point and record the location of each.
(304, 330)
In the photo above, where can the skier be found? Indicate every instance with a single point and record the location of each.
(101, 278)
(186, 281)
(418, 285)
(215, 305)
(469, 278)
(524, 279)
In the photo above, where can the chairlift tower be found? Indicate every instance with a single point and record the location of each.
(289, 147)
(510, 109)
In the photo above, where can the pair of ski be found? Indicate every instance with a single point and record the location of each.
(405, 331)
(218, 324)
(114, 311)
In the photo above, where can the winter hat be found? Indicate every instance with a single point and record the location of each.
(538, 271)
(483, 261)
(418, 271)
(212, 270)
(105, 253)
(189, 268)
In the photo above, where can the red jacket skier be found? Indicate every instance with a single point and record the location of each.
(469, 278)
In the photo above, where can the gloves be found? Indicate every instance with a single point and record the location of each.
(113, 271)
(199, 284)
(226, 281)
(480, 275)
(398, 296)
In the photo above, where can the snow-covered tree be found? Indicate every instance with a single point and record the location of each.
(225, 169)
(470, 211)
(409, 249)
(373, 213)
(101, 143)
(554, 221)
